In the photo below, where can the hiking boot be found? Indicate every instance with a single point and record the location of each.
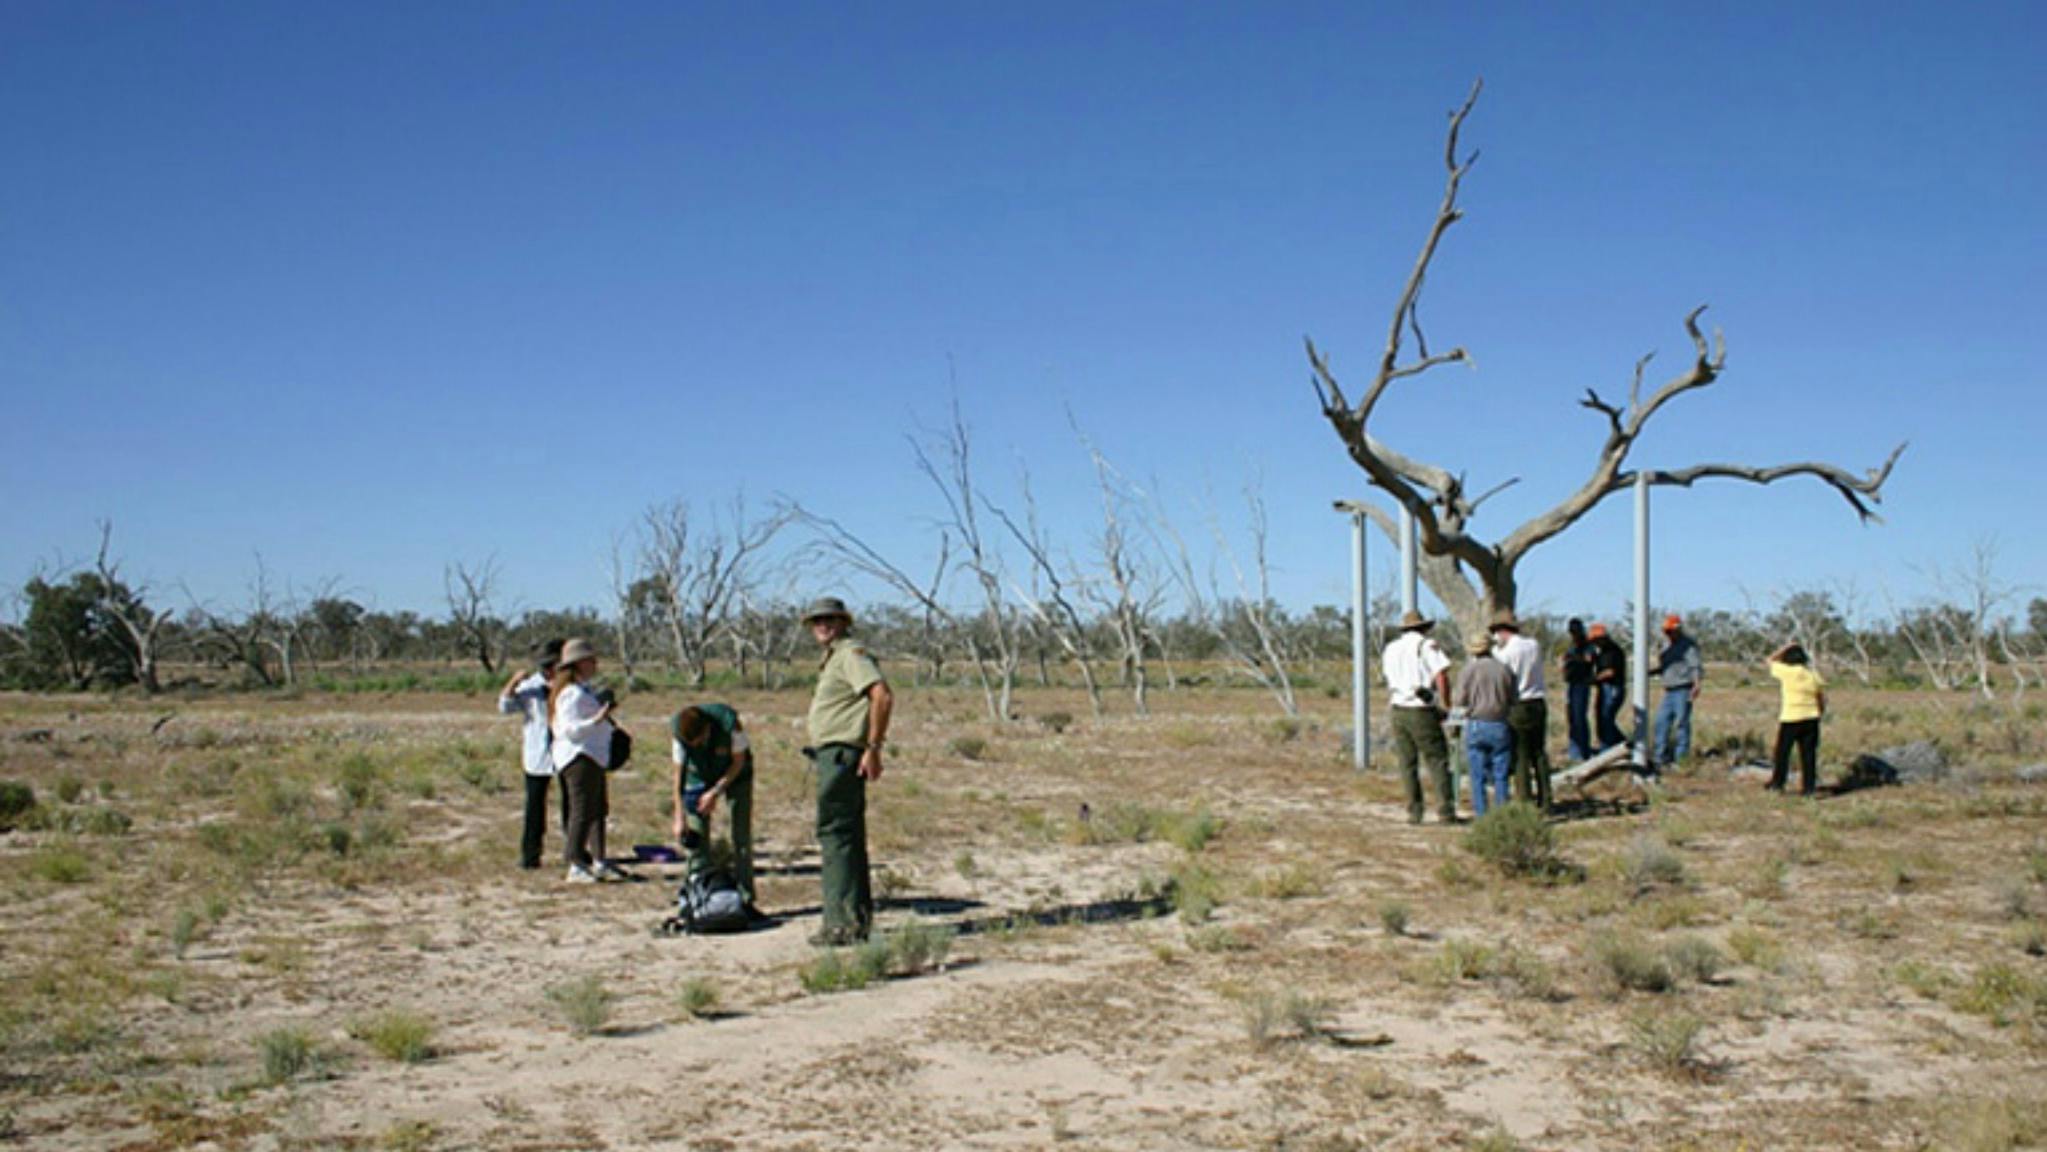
(580, 875)
(835, 938)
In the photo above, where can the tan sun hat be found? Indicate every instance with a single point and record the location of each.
(577, 650)
(825, 608)
(1479, 644)
(1415, 621)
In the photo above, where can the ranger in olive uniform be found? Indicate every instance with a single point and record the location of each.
(848, 723)
(713, 763)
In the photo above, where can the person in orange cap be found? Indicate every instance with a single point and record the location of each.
(1683, 671)
(1610, 674)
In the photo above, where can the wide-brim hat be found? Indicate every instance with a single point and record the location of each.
(827, 608)
(578, 650)
(1479, 644)
(1504, 618)
(1415, 621)
(549, 654)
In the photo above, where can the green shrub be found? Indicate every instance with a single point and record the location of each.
(1516, 839)
(406, 1037)
(1393, 917)
(287, 1053)
(1286, 730)
(1695, 958)
(1650, 862)
(361, 781)
(17, 800)
(967, 747)
(185, 928)
(1271, 1018)
(1755, 948)
(1463, 959)
(61, 864)
(918, 947)
(1056, 722)
(1296, 880)
(1194, 892)
(1667, 1042)
(2005, 995)
(698, 997)
(584, 1004)
(69, 789)
(1630, 964)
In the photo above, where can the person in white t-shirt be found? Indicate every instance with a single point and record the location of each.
(1528, 719)
(1418, 685)
(525, 695)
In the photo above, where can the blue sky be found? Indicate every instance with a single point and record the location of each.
(367, 289)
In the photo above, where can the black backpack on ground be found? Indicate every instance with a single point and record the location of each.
(710, 902)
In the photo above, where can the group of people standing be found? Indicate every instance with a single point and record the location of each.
(1501, 697)
(570, 735)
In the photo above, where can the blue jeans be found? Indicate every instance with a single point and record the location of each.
(1675, 714)
(1611, 697)
(1577, 713)
(1489, 745)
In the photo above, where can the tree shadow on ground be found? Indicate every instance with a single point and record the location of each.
(1115, 911)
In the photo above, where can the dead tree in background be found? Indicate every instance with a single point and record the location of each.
(620, 576)
(699, 574)
(1125, 592)
(1261, 656)
(1442, 506)
(471, 594)
(127, 608)
(953, 477)
(1049, 599)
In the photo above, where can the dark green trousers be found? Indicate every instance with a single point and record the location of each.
(739, 802)
(1528, 720)
(1417, 736)
(842, 840)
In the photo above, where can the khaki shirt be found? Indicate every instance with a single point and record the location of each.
(838, 709)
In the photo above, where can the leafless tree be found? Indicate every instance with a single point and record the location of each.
(619, 572)
(952, 475)
(699, 573)
(1125, 590)
(142, 624)
(1050, 596)
(1442, 505)
(472, 609)
(1975, 597)
(1258, 654)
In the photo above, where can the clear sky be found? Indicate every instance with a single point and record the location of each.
(368, 288)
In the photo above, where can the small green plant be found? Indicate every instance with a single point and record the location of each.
(698, 997)
(1517, 840)
(1496, 1139)
(1649, 862)
(1214, 938)
(2030, 937)
(2004, 995)
(361, 781)
(69, 789)
(1627, 963)
(844, 969)
(1271, 1018)
(967, 747)
(1695, 958)
(1292, 882)
(1393, 917)
(1462, 959)
(1195, 891)
(287, 1053)
(1755, 947)
(1928, 982)
(584, 1004)
(17, 800)
(61, 864)
(1286, 729)
(1527, 974)
(918, 947)
(1056, 722)
(186, 927)
(964, 865)
(1667, 1042)
(398, 1035)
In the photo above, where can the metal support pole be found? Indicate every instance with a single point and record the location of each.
(1360, 649)
(1409, 563)
(1641, 677)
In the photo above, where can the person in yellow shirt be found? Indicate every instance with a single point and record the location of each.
(1798, 719)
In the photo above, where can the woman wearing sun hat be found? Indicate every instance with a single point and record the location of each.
(581, 725)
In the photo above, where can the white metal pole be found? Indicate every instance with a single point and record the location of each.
(1360, 649)
(1409, 563)
(1641, 678)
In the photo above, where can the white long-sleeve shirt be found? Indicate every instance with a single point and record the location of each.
(529, 698)
(580, 728)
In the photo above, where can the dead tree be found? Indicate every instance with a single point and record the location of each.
(1261, 656)
(620, 575)
(1125, 592)
(953, 477)
(471, 594)
(1438, 498)
(142, 624)
(699, 574)
(1050, 597)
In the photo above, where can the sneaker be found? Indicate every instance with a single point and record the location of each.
(606, 872)
(580, 875)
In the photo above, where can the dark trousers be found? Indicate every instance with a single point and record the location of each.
(589, 804)
(1577, 719)
(739, 804)
(1528, 720)
(1611, 697)
(1417, 737)
(1805, 736)
(536, 818)
(842, 841)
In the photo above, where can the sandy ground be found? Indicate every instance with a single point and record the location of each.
(1074, 1010)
